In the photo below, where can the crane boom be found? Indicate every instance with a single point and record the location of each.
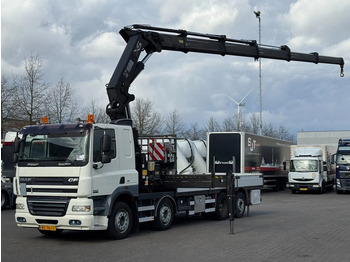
(144, 38)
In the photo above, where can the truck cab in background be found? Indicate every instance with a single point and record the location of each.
(342, 161)
(8, 170)
(311, 169)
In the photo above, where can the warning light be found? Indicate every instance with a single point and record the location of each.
(91, 119)
(45, 120)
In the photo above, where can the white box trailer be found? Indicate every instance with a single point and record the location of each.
(249, 153)
(311, 168)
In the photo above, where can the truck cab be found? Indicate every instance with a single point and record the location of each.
(310, 169)
(342, 160)
(63, 179)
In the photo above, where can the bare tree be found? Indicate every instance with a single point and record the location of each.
(60, 103)
(269, 130)
(194, 132)
(145, 119)
(8, 106)
(283, 133)
(254, 123)
(31, 89)
(99, 112)
(174, 124)
(213, 125)
(228, 125)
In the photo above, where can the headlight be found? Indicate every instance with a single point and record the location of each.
(338, 183)
(83, 208)
(19, 206)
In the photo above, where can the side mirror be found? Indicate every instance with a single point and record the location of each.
(106, 143)
(17, 143)
(106, 148)
(105, 159)
(325, 168)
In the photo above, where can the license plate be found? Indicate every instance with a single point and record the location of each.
(48, 228)
(303, 189)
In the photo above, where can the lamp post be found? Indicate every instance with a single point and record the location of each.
(257, 14)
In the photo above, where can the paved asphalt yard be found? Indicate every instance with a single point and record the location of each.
(284, 227)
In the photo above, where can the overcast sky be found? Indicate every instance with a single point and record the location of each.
(80, 41)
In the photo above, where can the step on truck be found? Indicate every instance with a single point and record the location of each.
(342, 160)
(89, 176)
(311, 168)
(252, 154)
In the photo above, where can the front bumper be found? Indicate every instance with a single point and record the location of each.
(304, 187)
(71, 220)
(342, 184)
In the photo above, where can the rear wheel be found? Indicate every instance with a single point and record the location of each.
(240, 203)
(221, 209)
(165, 215)
(120, 221)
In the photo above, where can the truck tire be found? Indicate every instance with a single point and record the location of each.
(4, 199)
(240, 205)
(221, 208)
(165, 215)
(120, 221)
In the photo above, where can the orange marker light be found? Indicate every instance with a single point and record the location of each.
(45, 120)
(91, 119)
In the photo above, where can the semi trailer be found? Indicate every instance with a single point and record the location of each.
(252, 154)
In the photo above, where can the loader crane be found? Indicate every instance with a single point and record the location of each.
(148, 39)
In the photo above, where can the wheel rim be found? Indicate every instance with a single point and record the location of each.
(240, 205)
(165, 214)
(122, 221)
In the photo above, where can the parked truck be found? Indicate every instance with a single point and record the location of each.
(343, 166)
(252, 154)
(8, 171)
(311, 168)
(89, 176)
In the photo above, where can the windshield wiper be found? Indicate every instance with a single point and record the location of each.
(34, 164)
(68, 162)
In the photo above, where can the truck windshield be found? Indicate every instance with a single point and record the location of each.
(304, 166)
(52, 149)
(343, 159)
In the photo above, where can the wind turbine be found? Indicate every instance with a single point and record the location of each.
(239, 105)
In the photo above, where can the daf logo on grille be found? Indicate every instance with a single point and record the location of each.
(25, 179)
(348, 167)
(73, 179)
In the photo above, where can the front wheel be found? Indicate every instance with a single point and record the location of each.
(165, 215)
(240, 205)
(120, 221)
(4, 199)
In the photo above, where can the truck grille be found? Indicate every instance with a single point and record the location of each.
(345, 183)
(65, 186)
(303, 180)
(344, 174)
(47, 206)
